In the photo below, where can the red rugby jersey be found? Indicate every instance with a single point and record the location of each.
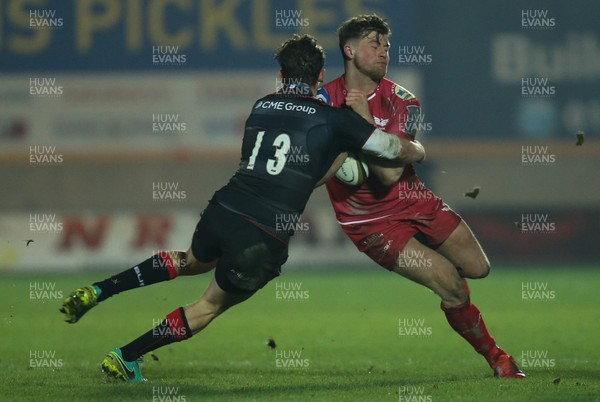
(393, 109)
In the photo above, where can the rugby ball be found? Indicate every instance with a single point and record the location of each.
(354, 171)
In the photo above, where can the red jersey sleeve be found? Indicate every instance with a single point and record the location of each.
(407, 113)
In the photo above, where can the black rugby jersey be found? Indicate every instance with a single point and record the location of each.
(289, 144)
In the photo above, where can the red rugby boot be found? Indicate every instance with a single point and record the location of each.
(504, 366)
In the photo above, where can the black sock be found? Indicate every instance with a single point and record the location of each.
(174, 328)
(157, 268)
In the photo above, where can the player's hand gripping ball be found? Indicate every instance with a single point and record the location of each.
(354, 171)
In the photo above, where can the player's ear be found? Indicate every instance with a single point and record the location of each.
(280, 75)
(321, 75)
(349, 51)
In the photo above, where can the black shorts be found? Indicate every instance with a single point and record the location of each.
(249, 257)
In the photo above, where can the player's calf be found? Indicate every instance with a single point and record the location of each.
(432, 270)
(463, 250)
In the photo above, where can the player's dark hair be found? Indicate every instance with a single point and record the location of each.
(300, 57)
(360, 27)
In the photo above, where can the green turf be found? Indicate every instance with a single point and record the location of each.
(347, 328)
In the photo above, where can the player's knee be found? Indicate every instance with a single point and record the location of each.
(481, 270)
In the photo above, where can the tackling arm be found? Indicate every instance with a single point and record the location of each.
(337, 164)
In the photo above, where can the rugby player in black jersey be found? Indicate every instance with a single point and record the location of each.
(237, 233)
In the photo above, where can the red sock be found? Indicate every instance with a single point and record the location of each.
(174, 328)
(468, 322)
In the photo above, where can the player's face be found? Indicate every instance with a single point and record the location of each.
(372, 56)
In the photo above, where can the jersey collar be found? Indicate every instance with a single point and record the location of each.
(369, 96)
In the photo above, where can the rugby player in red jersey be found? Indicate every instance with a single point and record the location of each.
(393, 217)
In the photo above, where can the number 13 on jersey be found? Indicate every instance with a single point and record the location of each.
(282, 146)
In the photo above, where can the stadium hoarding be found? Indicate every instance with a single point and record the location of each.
(126, 111)
(504, 70)
(93, 241)
(512, 69)
(134, 35)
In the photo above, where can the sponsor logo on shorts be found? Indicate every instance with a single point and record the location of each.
(384, 251)
(371, 239)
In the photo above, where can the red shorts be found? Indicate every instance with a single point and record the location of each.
(384, 239)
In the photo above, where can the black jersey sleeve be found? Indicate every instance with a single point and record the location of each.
(349, 128)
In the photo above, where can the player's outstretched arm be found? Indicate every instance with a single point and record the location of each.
(408, 151)
(388, 146)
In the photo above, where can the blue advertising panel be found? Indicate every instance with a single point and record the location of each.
(511, 69)
(98, 35)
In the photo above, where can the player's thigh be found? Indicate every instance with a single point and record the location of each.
(252, 258)
(249, 256)
(465, 252)
(191, 266)
(425, 266)
(206, 247)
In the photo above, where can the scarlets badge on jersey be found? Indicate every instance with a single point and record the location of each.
(413, 120)
(403, 93)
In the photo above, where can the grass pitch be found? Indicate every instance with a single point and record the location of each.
(362, 335)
